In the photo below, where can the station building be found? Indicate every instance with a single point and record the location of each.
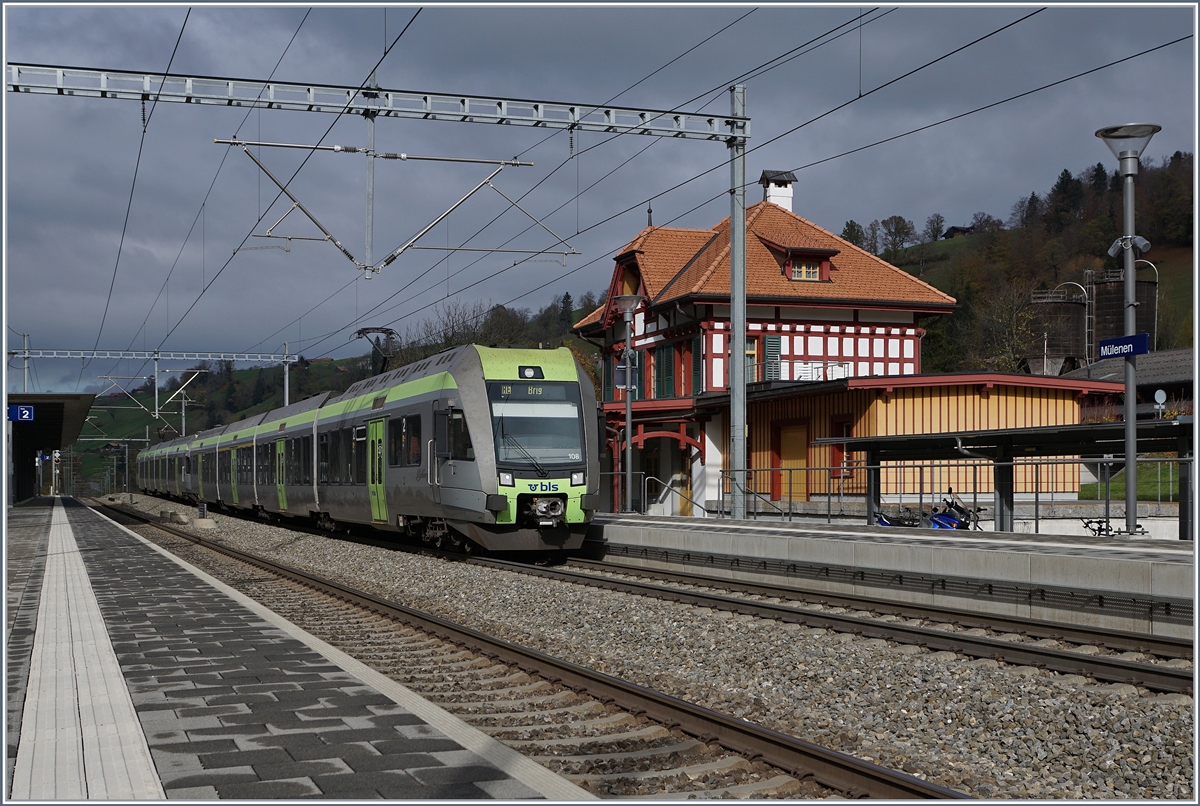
(833, 348)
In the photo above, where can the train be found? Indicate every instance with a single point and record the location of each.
(474, 448)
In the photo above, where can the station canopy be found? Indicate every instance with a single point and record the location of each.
(1087, 440)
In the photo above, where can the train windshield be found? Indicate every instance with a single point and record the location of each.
(536, 423)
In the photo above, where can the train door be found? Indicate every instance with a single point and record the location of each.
(231, 470)
(375, 471)
(281, 472)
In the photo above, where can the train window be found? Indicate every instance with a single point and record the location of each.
(395, 441)
(323, 458)
(347, 455)
(306, 457)
(460, 438)
(335, 457)
(360, 455)
(412, 452)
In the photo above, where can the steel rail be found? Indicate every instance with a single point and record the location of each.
(852, 776)
(1124, 640)
(1114, 670)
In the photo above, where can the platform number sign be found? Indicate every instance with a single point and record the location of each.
(20, 414)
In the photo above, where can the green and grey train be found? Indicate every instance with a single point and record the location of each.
(473, 447)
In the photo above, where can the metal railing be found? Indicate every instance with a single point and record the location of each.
(666, 487)
(1045, 485)
(623, 502)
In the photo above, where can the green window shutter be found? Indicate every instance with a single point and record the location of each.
(660, 364)
(640, 374)
(697, 365)
(608, 378)
(772, 349)
(668, 358)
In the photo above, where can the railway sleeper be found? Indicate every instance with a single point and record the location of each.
(611, 720)
(433, 686)
(557, 697)
(648, 732)
(688, 747)
(590, 707)
(515, 690)
(727, 764)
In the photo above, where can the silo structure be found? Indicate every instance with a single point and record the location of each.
(1109, 295)
(1059, 330)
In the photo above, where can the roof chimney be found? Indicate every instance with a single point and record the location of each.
(777, 187)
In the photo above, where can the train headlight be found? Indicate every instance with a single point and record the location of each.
(506, 479)
(577, 479)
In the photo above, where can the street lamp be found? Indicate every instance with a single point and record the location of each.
(626, 303)
(1127, 143)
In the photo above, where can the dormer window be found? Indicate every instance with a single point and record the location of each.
(807, 265)
(806, 269)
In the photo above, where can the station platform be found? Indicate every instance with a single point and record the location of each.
(1144, 586)
(132, 675)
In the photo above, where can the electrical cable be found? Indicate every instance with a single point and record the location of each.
(1050, 85)
(304, 162)
(790, 131)
(526, 193)
(753, 73)
(129, 205)
(212, 184)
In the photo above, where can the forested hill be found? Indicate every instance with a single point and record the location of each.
(1049, 237)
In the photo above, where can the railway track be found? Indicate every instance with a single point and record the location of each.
(1154, 662)
(613, 737)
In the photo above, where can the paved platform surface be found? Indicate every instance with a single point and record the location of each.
(146, 679)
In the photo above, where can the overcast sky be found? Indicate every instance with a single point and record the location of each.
(70, 162)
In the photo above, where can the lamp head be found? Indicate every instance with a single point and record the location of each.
(1129, 140)
(626, 303)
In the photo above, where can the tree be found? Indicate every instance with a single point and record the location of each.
(1064, 203)
(935, 225)
(1004, 324)
(566, 313)
(871, 237)
(898, 232)
(854, 233)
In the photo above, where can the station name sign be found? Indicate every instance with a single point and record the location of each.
(1137, 344)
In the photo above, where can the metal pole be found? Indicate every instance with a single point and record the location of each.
(156, 384)
(737, 312)
(1129, 168)
(25, 342)
(369, 116)
(629, 411)
(285, 373)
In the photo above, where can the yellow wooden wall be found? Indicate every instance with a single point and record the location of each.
(915, 410)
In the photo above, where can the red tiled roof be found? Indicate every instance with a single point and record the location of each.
(679, 263)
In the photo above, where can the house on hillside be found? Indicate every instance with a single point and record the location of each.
(956, 232)
(833, 341)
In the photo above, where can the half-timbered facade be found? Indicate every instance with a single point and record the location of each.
(821, 313)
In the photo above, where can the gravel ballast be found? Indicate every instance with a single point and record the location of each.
(977, 726)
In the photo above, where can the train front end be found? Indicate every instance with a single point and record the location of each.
(542, 413)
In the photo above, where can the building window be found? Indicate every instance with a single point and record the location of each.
(803, 269)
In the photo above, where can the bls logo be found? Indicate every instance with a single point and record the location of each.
(543, 487)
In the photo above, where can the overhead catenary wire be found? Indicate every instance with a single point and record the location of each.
(951, 118)
(759, 70)
(163, 288)
(129, 204)
(307, 157)
(723, 164)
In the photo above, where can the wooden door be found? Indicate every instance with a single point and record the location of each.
(793, 456)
